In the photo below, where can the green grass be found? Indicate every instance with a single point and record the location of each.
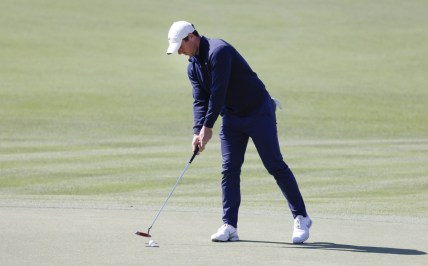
(91, 108)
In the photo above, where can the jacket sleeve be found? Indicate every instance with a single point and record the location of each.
(221, 63)
(200, 100)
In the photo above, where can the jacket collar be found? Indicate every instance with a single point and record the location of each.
(203, 51)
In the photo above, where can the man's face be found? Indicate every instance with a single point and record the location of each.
(189, 45)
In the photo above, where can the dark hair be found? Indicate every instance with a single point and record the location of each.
(195, 32)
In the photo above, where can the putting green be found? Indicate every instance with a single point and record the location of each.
(94, 114)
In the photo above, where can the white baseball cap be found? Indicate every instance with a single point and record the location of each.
(178, 31)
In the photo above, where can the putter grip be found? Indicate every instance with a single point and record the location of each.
(194, 154)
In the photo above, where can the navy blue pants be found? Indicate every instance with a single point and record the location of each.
(235, 132)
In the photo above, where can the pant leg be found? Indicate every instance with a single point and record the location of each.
(233, 146)
(264, 135)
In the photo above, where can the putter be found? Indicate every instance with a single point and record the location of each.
(140, 233)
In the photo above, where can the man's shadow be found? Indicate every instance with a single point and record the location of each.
(345, 247)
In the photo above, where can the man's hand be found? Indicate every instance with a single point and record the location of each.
(195, 142)
(204, 136)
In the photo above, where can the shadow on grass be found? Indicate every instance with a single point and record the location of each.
(345, 247)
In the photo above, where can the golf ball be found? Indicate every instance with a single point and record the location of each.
(152, 243)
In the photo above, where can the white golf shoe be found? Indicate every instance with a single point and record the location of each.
(225, 233)
(301, 229)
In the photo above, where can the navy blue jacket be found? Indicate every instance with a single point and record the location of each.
(223, 83)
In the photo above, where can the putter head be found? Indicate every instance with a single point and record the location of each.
(142, 234)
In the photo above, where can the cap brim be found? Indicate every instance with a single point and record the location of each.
(173, 47)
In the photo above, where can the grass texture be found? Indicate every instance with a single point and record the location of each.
(91, 107)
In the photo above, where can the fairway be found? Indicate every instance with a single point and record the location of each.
(96, 125)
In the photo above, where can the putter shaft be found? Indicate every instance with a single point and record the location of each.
(169, 195)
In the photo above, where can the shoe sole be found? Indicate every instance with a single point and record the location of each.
(233, 239)
(301, 241)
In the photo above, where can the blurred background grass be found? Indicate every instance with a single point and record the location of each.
(91, 108)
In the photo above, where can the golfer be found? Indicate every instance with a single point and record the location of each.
(224, 85)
